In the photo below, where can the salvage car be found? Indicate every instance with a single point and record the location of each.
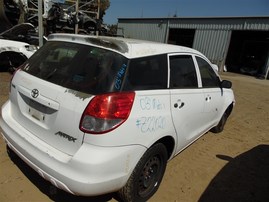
(96, 115)
(14, 49)
(14, 53)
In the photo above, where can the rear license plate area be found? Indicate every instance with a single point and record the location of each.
(37, 110)
(36, 114)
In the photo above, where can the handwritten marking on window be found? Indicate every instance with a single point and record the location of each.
(119, 77)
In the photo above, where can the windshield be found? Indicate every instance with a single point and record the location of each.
(79, 67)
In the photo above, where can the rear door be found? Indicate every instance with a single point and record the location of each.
(53, 88)
(187, 99)
(49, 112)
(42, 105)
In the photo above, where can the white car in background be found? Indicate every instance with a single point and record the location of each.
(95, 115)
(14, 51)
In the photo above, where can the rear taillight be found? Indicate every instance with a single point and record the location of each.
(106, 112)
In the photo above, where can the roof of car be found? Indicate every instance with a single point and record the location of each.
(130, 48)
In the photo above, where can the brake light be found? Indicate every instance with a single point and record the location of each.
(106, 112)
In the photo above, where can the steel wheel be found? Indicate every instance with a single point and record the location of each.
(147, 175)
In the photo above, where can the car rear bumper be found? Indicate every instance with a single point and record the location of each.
(93, 170)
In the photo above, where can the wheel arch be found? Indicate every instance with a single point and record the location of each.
(169, 143)
(229, 109)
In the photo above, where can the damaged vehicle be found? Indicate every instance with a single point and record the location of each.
(95, 115)
(14, 49)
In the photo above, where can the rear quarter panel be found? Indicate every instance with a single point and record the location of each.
(149, 120)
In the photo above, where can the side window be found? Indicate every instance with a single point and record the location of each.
(208, 75)
(182, 72)
(147, 73)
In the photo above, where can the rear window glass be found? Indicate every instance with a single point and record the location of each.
(79, 67)
(182, 72)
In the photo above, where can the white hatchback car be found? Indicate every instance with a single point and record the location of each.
(94, 115)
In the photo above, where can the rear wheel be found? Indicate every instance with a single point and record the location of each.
(147, 175)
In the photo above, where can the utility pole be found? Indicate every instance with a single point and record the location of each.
(98, 16)
(40, 23)
(76, 25)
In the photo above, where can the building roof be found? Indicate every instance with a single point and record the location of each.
(198, 17)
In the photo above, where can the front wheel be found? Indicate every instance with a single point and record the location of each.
(219, 128)
(147, 175)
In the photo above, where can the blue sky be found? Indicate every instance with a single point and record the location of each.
(184, 8)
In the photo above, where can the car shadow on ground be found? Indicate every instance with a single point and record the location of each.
(51, 191)
(244, 178)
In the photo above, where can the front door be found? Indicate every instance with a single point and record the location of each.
(213, 95)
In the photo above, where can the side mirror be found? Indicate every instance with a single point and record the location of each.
(226, 84)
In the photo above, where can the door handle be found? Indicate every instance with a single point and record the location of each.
(182, 105)
(177, 106)
(208, 98)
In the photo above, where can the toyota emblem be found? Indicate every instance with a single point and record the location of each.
(34, 93)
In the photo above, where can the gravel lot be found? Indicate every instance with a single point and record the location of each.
(231, 166)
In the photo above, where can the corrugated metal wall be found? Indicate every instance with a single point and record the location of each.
(146, 30)
(212, 35)
(213, 43)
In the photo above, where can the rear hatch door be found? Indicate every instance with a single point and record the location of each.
(48, 111)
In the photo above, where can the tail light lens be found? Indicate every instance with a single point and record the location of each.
(106, 112)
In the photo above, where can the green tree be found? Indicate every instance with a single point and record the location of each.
(105, 4)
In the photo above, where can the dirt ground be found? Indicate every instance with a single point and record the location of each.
(232, 166)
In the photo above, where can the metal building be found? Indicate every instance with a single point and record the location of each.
(238, 44)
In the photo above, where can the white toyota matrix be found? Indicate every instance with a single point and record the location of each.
(95, 115)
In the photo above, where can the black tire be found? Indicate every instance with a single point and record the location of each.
(147, 175)
(219, 128)
(11, 153)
